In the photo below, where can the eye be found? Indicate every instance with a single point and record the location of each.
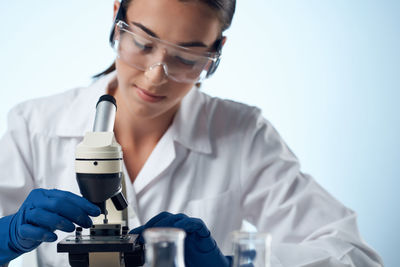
(142, 46)
(186, 61)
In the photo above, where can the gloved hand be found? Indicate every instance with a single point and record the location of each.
(200, 248)
(40, 215)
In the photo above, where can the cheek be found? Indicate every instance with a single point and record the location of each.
(125, 73)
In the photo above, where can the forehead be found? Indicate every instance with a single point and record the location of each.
(176, 21)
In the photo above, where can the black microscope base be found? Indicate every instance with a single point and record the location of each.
(79, 248)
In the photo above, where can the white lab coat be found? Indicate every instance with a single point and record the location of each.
(220, 161)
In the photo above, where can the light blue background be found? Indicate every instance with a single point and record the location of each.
(325, 73)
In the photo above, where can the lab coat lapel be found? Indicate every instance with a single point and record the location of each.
(189, 129)
(160, 158)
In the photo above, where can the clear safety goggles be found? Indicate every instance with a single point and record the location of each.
(145, 52)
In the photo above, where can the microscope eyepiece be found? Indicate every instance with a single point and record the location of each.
(108, 98)
(106, 108)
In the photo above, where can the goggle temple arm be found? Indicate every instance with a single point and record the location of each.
(214, 65)
(120, 16)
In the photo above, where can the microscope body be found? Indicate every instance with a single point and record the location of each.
(98, 166)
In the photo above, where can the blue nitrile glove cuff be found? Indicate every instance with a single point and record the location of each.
(7, 253)
(19, 244)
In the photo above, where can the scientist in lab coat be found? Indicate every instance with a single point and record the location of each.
(190, 160)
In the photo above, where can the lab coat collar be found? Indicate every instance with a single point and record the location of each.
(189, 127)
(82, 110)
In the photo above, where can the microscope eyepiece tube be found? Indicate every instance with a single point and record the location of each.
(105, 114)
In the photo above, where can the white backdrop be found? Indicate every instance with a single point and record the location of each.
(325, 73)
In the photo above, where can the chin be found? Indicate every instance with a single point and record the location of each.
(145, 110)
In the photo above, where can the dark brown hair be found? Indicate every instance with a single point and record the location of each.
(224, 8)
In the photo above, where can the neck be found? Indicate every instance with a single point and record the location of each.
(134, 131)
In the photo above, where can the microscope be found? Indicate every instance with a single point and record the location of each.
(98, 167)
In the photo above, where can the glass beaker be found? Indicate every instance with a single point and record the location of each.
(164, 247)
(251, 249)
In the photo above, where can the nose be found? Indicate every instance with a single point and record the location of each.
(156, 74)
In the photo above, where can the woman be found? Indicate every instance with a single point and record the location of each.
(184, 152)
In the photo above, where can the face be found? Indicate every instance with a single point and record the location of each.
(150, 93)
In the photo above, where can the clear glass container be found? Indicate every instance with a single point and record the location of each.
(251, 249)
(164, 247)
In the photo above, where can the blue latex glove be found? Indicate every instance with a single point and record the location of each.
(40, 215)
(200, 248)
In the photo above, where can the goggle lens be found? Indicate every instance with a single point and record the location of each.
(142, 51)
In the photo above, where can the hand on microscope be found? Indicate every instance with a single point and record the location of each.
(200, 248)
(42, 212)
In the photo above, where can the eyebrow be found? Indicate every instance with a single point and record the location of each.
(185, 44)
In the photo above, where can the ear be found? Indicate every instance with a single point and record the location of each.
(116, 7)
(220, 43)
(223, 41)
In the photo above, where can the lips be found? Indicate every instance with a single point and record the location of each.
(147, 96)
